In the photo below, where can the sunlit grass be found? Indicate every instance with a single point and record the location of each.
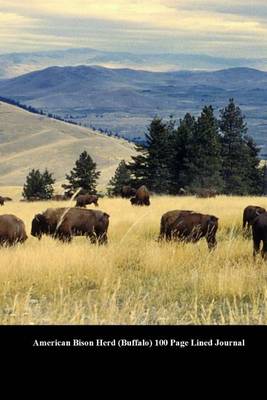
(135, 279)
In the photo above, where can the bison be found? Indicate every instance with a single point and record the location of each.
(259, 233)
(141, 197)
(64, 223)
(127, 192)
(84, 199)
(189, 226)
(12, 230)
(249, 215)
(2, 201)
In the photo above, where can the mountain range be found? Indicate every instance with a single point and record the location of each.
(15, 64)
(125, 100)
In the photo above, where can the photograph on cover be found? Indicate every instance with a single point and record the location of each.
(133, 174)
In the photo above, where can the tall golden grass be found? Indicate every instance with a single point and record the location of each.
(135, 279)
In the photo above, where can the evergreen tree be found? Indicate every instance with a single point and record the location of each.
(122, 177)
(84, 175)
(38, 185)
(240, 163)
(254, 173)
(138, 168)
(183, 171)
(152, 166)
(207, 164)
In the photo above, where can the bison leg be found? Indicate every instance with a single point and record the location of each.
(92, 237)
(65, 238)
(102, 239)
(256, 246)
(264, 249)
(212, 243)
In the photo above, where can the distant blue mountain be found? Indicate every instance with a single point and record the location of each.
(124, 100)
(15, 64)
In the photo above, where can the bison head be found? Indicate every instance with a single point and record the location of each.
(39, 226)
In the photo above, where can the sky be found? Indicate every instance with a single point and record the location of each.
(228, 28)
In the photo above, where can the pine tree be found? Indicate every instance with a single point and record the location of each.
(84, 175)
(183, 170)
(38, 185)
(152, 166)
(122, 177)
(139, 166)
(206, 146)
(254, 173)
(239, 153)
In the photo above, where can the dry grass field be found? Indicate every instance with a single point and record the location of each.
(135, 279)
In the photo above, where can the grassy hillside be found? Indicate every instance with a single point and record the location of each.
(125, 100)
(134, 279)
(34, 141)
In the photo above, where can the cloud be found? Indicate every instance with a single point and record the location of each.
(146, 20)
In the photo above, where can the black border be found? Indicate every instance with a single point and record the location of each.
(137, 338)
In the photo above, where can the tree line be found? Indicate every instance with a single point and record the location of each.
(195, 153)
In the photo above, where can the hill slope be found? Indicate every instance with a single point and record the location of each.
(125, 100)
(33, 141)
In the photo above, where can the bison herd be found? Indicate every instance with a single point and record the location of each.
(176, 225)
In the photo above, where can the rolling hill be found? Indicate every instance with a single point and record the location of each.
(33, 141)
(124, 100)
(14, 64)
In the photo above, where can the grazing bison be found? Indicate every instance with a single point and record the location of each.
(259, 232)
(167, 223)
(64, 223)
(204, 193)
(2, 201)
(189, 226)
(249, 214)
(127, 192)
(12, 230)
(141, 197)
(84, 199)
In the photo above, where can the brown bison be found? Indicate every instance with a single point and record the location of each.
(249, 215)
(2, 201)
(12, 230)
(189, 226)
(127, 192)
(83, 199)
(204, 193)
(259, 232)
(64, 223)
(141, 197)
